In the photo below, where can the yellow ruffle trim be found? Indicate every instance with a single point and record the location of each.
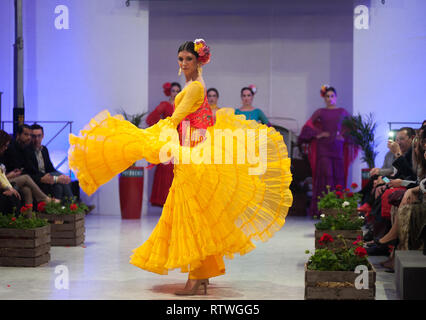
(211, 209)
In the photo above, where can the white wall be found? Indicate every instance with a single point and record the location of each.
(390, 67)
(288, 51)
(6, 57)
(100, 62)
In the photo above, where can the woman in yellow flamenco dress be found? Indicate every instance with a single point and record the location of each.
(217, 205)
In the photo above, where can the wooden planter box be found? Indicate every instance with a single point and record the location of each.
(349, 235)
(24, 247)
(66, 230)
(334, 211)
(337, 285)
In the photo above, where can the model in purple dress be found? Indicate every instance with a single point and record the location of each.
(327, 146)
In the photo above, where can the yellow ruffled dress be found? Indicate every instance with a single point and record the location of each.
(213, 209)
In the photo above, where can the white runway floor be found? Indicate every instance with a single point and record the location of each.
(100, 269)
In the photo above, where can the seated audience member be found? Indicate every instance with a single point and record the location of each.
(378, 217)
(14, 158)
(10, 199)
(387, 169)
(41, 169)
(408, 228)
(23, 182)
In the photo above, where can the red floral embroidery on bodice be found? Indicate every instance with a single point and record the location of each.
(197, 122)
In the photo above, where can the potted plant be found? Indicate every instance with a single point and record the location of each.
(339, 200)
(131, 180)
(361, 132)
(66, 220)
(24, 240)
(343, 225)
(331, 273)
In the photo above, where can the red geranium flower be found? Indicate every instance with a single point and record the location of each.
(41, 206)
(13, 219)
(357, 241)
(326, 238)
(73, 207)
(23, 209)
(339, 187)
(339, 194)
(361, 252)
(354, 185)
(350, 194)
(347, 190)
(29, 205)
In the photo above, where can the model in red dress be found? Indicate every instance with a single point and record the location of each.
(163, 176)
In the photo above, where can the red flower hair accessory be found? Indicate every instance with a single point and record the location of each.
(203, 51)
(167, 87)
(324, 90)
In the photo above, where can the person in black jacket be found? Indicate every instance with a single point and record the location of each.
(14, 158)
(404, 173)
(41, 169)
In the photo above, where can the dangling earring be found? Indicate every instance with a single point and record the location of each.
(180, 71)
(200, 71)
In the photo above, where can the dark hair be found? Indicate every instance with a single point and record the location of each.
(4, 138)
(21, 128)
(36, 126)
(175, 84)
(247, 88)
(330, 89)
(188, 46)
(410, 131)
(213, 89)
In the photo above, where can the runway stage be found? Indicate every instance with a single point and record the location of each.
(100, 269)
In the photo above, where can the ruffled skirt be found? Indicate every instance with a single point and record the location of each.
(226, 191)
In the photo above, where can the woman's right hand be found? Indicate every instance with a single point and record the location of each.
(12, 192)
(323, 134)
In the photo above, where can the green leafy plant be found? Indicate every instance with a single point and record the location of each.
(70, 207)
(136, 118)
(10, 221)
(343, 199)
(341, 221)
(361, 132)
(340, 258)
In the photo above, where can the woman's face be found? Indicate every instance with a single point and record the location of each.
(330, 98)
(188, 63)
(247, 98)
(174, 91)
(212, 97)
